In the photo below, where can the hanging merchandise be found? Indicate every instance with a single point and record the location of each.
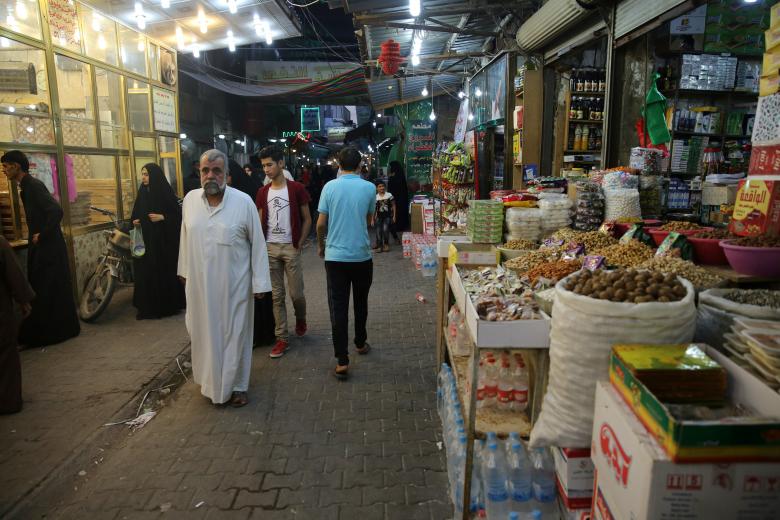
(654, 114)
(390, 57)
(585, 325)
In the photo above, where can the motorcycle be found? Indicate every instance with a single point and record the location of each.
(114, 267)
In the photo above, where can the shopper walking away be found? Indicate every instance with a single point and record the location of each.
(346, 206)
(284, 214)
(223, 263)
(157, 291)
(53, 318)
(396, 184)
(13, 287)
(192, 181)
(384, 216)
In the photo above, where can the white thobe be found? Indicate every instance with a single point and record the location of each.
(224, 260)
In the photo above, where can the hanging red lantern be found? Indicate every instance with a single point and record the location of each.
(390, 57)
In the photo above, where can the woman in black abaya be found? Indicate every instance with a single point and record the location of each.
(158, 292)
(241, 180)
(396, 185)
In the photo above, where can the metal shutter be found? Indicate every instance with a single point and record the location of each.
(631, 14)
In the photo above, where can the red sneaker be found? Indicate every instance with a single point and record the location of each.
(300, 327)
(279, 349)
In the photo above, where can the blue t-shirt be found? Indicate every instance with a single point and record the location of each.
(347, 201)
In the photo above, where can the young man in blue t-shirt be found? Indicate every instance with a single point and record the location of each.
(346, 207)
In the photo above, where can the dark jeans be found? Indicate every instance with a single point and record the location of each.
(383, 230)
(342, 275)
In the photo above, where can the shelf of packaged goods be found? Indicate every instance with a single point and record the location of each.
(585, 121)
(503, 422)
(582, 152)
(697, 92)
(586, 94)
(707, 134)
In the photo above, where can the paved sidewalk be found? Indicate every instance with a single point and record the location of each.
(70, 390)
(307, 446)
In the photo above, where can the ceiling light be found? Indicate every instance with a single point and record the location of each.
(415, 60)
(11, 22)
(12, 109)
(425, 91)
(101, 41)
(95, 22)
(478, 92)
(231, 42)
(471, 116)
(269, 38)
(232, 6)
(273, 140)
(165, 4)
(373, 123)
(282, 140)
(196, 50)
(182, 136)
(389, 87)
(461, 94)
(293, 150)
(5, 42)
(432, 117)
(141, 45)
(415, 6)
(179, 38)
(140, 17)
(221, 136)
(257, 25)
(237, 141)
(21, 10)
(204, 24)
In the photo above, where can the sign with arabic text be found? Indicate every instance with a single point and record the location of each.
(420, 142)
(164, 110)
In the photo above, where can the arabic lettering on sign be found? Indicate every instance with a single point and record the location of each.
(421, 141)
(164, 110)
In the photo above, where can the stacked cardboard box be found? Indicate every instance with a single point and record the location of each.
(574, 477)
(765, 159)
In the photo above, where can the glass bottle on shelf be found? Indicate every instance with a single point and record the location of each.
(592, 138)
(603, 80)
(581, 109)
(573, 108)
(577, 138)
(593, 109)
(580, 81)
(588, 79)
(585, 138)
(573, 80)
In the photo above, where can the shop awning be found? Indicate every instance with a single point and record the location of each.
(347, 88)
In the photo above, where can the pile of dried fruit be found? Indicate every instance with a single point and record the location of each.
(679, 225)
(625, 255)
(761, 297)
(700, 278)
(508, 308)
(626, 285)
(523, 264)
(715, 233)
(520, 244)
(760, 241)
(568, 235)
(554, 270)
(593, 240)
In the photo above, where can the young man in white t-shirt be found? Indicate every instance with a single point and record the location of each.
(384, 215)
(286, 220)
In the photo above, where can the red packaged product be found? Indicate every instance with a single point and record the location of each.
(757, 208)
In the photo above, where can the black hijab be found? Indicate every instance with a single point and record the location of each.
(157, 197)
(241, 181)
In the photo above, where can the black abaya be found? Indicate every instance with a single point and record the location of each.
(53, 318)
(396, 185)
(158, 292)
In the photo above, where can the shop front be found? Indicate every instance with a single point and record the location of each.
(90, 101)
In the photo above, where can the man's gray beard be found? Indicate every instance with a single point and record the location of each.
(212, 188)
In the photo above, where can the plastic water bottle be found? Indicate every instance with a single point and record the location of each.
(441, 390)
(456, 482)
(429, 262)
(505, 394)
(514, 516)
(544, 490)
(491, 383)
(520, 385)
(519, 479)
(494, 481)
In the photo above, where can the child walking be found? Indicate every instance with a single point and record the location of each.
(384, 215)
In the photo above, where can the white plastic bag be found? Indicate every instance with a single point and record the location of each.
(621, 203)
(711, 324)
(714, 298)
(583, 331)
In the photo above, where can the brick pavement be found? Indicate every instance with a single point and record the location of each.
(70, 390)
(307, 445)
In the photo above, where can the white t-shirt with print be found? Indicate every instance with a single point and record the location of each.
(279, 224)
(384, 204)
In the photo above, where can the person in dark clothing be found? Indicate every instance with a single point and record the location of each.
(13, 287)
(53, 318)
(192, 181)
(396, 184)
(241, 181)
(158, 292)
(265, 325)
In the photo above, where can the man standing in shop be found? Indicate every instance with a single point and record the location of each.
(222, 262)
(346, 208)
(192, 181)
(53, 318)
(284, 213)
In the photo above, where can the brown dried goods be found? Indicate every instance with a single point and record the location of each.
(679, 225)
(555, 270)
(700, 278)
(627, 285)
(715, 233)
(760, 241)
(520, 245)
(524, 263)
(625, 255)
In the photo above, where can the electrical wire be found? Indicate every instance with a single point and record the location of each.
(305, 5)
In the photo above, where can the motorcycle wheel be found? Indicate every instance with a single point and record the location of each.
(97, 294)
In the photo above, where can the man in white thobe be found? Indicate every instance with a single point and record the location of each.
(223, 262)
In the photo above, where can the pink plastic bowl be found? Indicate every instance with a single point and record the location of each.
(753, 261)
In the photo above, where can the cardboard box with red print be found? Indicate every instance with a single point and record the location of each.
(635, 479)
(765, 160)
(757, 209)
(574, 474)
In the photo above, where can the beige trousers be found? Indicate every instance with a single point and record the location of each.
(284, 258)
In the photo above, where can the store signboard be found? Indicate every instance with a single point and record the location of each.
(338, 134)
(461, 122)
(690, 23)
(64, 24)
(310, 119)
(420, 142)
(164, 110)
